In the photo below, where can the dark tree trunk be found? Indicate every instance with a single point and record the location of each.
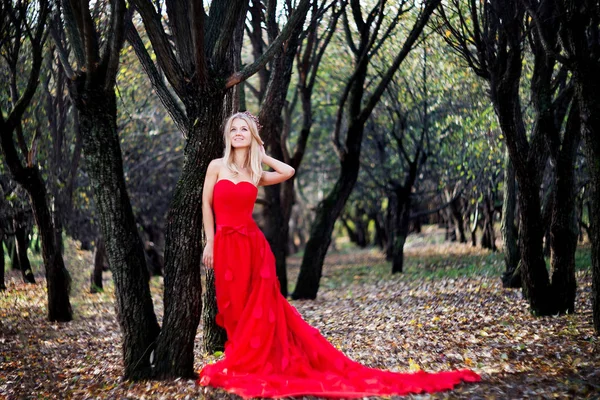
(579, 34)
(183, 249)
(21, 246)
(510, 277)
(587, 86)
(362, 236)
(99, 262)
(11, 247)
(488, 238)
(58, 279)
(458, 218)
(135, 313)
(563, 227)
(214, 338)
(2, 284)
(279, 197)
(277, 228)
(359, 110)
(534, 275)
(401, 229)
(548, 208)
(390, 220)
(326, 214)
(380, 234)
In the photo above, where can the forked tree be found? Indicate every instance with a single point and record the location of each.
(22, 27)
(357, 104)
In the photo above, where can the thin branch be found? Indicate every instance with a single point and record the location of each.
(160, 44)
(406, 48)
(114, 46)
(178, 115)
(297, 17)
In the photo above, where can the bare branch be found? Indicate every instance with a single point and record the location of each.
(113, 47)
(406, 48)
(161, 45)
(165, 96)
(297, 17)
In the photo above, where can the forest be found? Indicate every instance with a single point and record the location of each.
(444, 212)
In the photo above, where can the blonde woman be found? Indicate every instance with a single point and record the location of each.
(271, 351)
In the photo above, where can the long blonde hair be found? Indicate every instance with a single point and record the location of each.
(253, 157)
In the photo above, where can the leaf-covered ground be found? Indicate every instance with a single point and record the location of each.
(448, 310)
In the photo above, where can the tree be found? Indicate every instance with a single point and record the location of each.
(579, 33)
(498, 32)
(16, 21)
(92, 90)
(307, 48)
(359, 109)
(201, 66)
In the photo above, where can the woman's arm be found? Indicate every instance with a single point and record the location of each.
(208, 218)
(281, 171)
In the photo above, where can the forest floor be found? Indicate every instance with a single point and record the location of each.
(448, 310)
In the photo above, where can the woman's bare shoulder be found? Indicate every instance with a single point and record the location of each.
(216, 163)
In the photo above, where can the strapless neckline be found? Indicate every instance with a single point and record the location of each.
(237, 183)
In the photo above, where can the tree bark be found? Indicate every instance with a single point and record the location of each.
(458, 218)
(326, 214)
(212, 339)
(58, 279)
(21, 246)
(183, 245)
(98, 123)
(510, 277)
(96, 277)
(349, 153)
(563, 227)
(11, 247)
(2, 284)
(401, 229)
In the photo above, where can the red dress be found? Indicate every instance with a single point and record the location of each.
(271, 351)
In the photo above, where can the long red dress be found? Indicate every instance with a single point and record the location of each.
(271, 351)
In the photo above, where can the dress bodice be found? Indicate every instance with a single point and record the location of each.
(233, 202)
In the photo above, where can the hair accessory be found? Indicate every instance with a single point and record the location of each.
(254, 118)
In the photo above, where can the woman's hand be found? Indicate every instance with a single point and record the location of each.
(207, 255)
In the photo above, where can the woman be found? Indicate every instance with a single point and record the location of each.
(271, 351)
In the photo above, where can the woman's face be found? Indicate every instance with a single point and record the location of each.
(240, 134)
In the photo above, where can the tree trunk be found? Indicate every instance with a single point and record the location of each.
(2, 284)
(488, 238)
(534, 275)
(21, 246)
(327, 213)
(96, 278)
(593, 156)
(11, 247)
(58, 279)
(183, 242)
(587, 86)
(510, 278)
(458, 218)
(277, 229)
(391, 217)
(214, 338)
(135, 313)
(380, 234)
(563, 227)
(401, 229)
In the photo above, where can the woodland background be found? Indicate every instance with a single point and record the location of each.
(445, 204)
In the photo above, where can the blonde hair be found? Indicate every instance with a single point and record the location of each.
(253, 157)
